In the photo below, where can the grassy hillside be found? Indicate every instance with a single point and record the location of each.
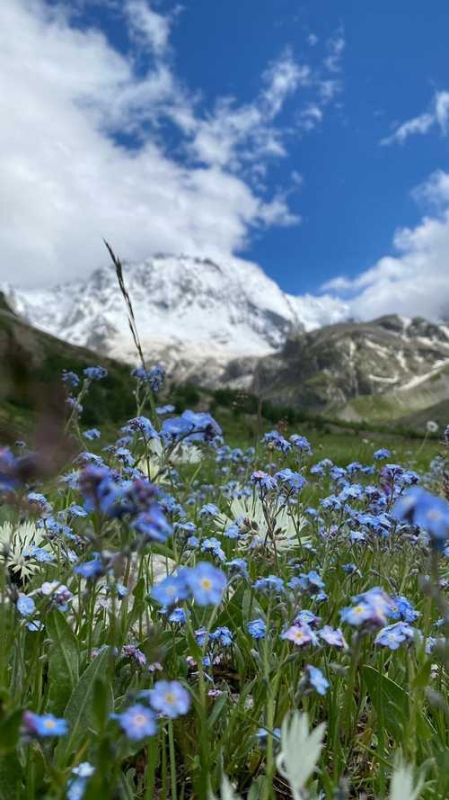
(413, 407)
(31, 364)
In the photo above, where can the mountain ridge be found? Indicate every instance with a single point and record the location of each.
(182, 302)
(389, 367)
(229, 325)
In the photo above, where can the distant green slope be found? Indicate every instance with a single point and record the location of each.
(412, 407)
(31, 365)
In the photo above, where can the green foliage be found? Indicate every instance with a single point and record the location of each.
(184, 396)
(81, 711)
(63, 661)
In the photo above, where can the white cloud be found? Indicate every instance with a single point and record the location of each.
(328, 89)
(232, 135)
(310, 117)
(282, 78)
(148, 26)
(68, 100)
(435, 191)
(335, 46)
(421, 124)
(415, 281)
(438, 116)
(338, 284)
(442, 110)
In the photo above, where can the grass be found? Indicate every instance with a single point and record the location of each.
(341, 443)
(87, 653)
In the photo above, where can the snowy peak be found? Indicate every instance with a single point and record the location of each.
(192, 306)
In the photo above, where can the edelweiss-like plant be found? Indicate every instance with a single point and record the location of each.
(14, 541)
(401, 787)
(153, 466)
(227, 791)
(300, 751)
(250, 513)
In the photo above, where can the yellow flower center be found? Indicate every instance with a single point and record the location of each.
(50, 724)
(206, 583)
(170, 698)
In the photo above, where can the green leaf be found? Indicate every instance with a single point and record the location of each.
(9, 731)
(194, 648)
(10, 772)
(422, 678)
(127, 792)
(139, 591)
(403, 783)
(140, 603)
(257, 788)
(219, 706)
(63, 661)
(80, 713)
(250, 607)
(391, 702)
(101, 703)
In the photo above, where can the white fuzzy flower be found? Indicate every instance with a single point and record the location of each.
(300, 751)
(151, 465)
(227, 791)
(182, 454)
(431, 426)
(14, 541)
(251, 511)
(186, 454)
(401, 787)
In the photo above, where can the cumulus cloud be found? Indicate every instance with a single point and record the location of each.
(414, 281)
(436, 117)
(84, 151)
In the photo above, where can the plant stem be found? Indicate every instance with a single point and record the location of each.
(174, 793)
(152, 756)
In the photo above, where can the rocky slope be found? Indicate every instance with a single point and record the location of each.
(387, 368)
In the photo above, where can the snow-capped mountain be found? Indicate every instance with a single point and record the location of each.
(188, 310)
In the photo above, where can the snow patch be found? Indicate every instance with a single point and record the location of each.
(382, 351)
(402, 360)
(380, 379)
(419, 379)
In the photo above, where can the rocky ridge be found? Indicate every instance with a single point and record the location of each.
(394, 363)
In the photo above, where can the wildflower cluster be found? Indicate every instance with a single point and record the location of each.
(169, 599)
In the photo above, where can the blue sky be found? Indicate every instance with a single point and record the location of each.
(304, 136)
